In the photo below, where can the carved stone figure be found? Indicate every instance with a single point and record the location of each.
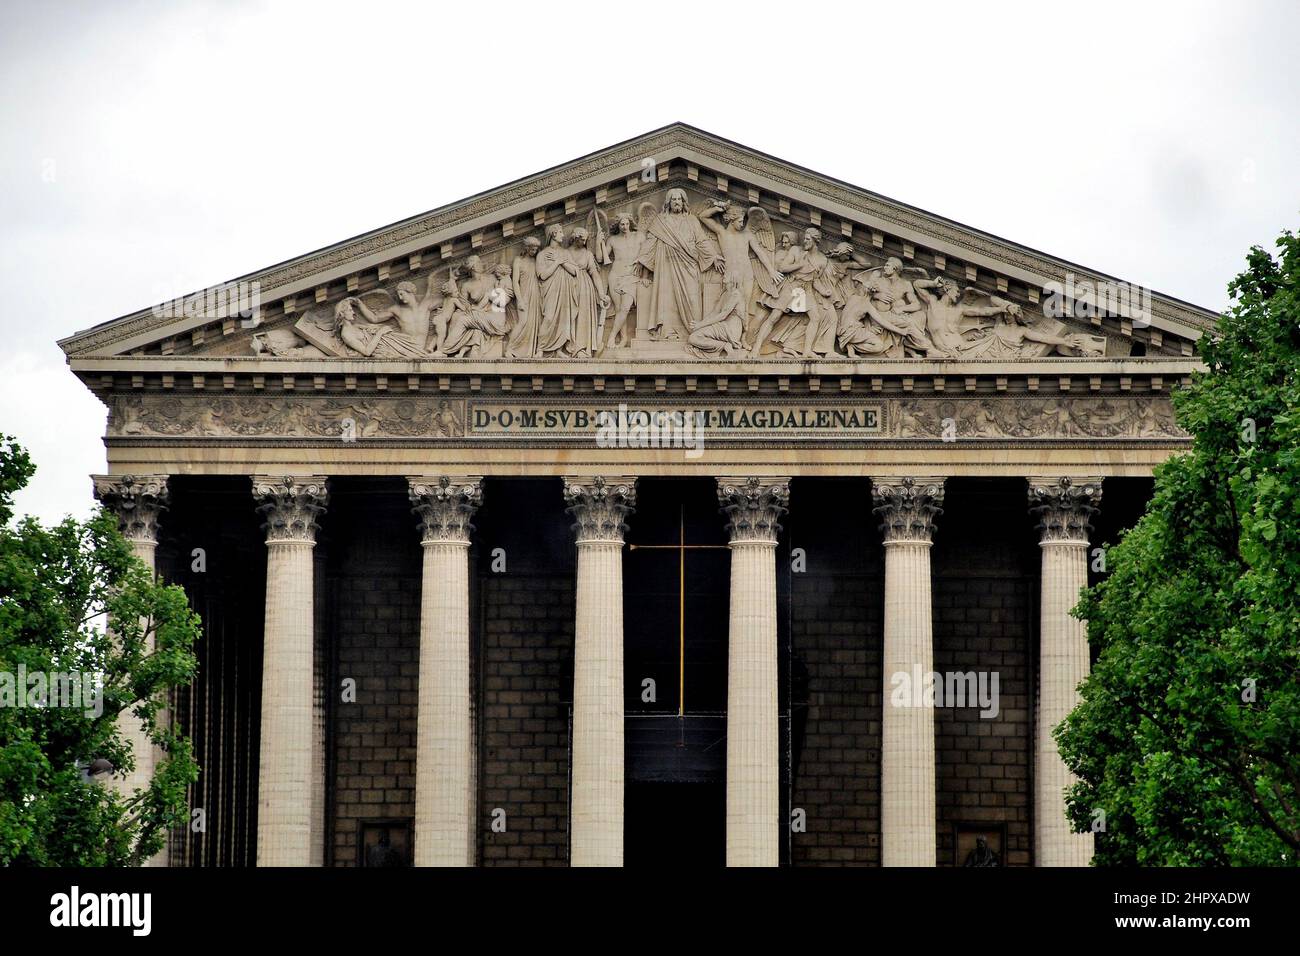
(625, 287)
(981, 855)
(946, 307)
(676, 251)
(590, 300)
(888, 300)
(283, 343)
(472, 312)
(502, 297)
(748, 251)
(373, 339)
(789, 254)
(445, 423)
(1010, 333)
(807, 294)
(845, 262)
(719, 333)
(410, 312)
(522, 342)
(556, 274)
(862, 329)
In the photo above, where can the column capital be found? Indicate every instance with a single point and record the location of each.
(290, 505)
(754, 506)
(1064, 506)
(599, 505)
(445, 505)
(137, 500)
(907, 507)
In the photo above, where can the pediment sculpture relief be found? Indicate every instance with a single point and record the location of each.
(719, 281)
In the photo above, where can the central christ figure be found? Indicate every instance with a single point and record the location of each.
(677, 250)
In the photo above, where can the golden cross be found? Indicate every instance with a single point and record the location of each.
(681, 547)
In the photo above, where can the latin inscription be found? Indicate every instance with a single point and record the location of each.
(529, 420)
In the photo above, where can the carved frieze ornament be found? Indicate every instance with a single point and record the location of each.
(1064, 507)
(137, 500)
(907, 507)
(290, 506)
(257, 416)
(599, 506)
(366, 418)
(685, 277)
(445, 507)
(754, 506)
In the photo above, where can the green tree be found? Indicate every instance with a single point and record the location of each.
(1187, 735)
(57, 586)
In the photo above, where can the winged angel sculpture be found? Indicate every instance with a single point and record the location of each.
(748, 269)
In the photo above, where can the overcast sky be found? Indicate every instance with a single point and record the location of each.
(151, 149)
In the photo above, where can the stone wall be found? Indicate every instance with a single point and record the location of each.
(836, 614)
(371, 555)
(985, 567)
(527, 668)
(523, 616)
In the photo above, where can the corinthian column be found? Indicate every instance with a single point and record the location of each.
(598, 506)
(290, 507)
(753, 507)
(444, 795)
(137, 500)
(907, 508)
(1063, 507)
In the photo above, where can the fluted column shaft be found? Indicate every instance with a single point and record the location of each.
(599, 507)
(284, 818)
(1064, 507)
(753, 506)
(444, 791)
(907, 508)
(138, 501)
(318, 717)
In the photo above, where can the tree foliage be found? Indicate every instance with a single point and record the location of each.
(58, 585)
(1187, 734)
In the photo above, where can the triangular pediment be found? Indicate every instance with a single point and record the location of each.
(683, 288)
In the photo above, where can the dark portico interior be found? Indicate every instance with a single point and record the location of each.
(830, 568)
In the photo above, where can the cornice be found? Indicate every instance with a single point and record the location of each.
(639, 368)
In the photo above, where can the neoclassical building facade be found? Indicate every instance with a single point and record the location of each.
(676, 503)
